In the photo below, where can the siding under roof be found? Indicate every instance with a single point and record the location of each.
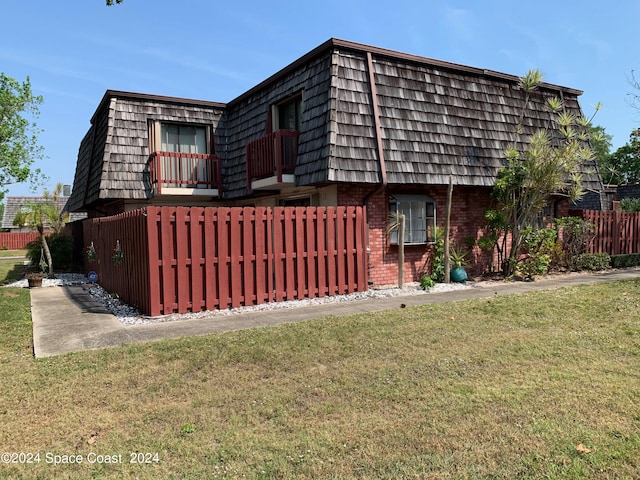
(112, 160)
(245, 120)
(436, 119)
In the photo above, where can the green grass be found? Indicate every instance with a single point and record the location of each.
(11, 269)
(506, 387)
(12, 253)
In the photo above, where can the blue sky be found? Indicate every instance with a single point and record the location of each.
(75, 50)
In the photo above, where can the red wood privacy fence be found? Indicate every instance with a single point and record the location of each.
(16, 240)
(189, 259)
(615, 232)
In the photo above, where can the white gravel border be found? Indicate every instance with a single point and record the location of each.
(130, 316)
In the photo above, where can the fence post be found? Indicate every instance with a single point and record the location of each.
(401, 220)
(615, 233)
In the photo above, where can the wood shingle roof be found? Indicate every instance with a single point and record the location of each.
(436, 119)
(14, 204)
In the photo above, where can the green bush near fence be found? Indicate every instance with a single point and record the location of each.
(625, 260)
(61, 248)
(592, 261)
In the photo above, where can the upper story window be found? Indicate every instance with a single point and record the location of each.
(181, 156)
(183, 138)
(420, 218)
(288, 114)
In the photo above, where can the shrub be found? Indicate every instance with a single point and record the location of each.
(61, 248)
(427, 282)
(625, 260)
(630, 204)
(592, 261)
(437, 259)
(539, 244)
(575, 233)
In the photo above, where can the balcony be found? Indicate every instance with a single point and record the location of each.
(271, 160)
(193, 174)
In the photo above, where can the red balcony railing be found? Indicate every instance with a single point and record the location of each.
(184, 170)
(272, 155)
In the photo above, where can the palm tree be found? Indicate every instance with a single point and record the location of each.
(37, 215)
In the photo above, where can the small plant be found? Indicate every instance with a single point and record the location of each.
(458, 260)
(437, 259)
(118, 254)
(32, 273)
(92, 256)
(188, 428)
(426, 282)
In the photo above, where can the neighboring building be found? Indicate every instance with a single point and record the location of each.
(345, 124)
(14, 204)
(628, 191)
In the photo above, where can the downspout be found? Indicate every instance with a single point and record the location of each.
(378, 133)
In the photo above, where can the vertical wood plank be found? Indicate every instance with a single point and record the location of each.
(311, 251)
(196, 226)
(290, 291)
(361, 254)
(183, 262)
(279, 257)
(211, 258)
(236, 257)
(300, 247)
(341, 250)
(270, 250)
(260, 263)
(350, 247)
(167, 228)
(321, 250)
(332, 253)
(224, 256)
(249, 256)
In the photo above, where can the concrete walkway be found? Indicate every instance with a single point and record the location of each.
(66, 319)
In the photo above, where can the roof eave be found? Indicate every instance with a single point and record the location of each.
(109, 94)
(338, 43)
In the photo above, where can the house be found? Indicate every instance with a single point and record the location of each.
(631, 190)
(346, 124)
(14, 204)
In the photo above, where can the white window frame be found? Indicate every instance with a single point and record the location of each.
(420, 218)
(156, 133)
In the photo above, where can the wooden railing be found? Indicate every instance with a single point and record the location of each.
(272, 155)
(184, 170)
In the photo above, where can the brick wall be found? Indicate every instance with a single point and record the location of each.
(467, 220)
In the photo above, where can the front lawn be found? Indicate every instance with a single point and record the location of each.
(542, 385)
(12, 253)
(11, 268)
